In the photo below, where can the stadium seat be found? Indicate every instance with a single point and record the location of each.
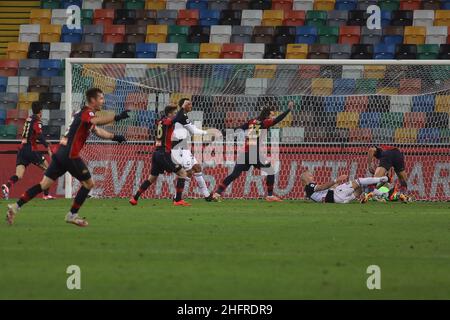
(306, 34)
(239, 4)
(49, 67)
(414, 120)
(26, 99)
(362, 51)
(59, 17)
(406, 51)
(220, 34)
(344, 86)
(393, 35)
(28, 67)
(81, 50)
(294, 18)
(436, 35)
(337, 18)
(176, 5)
(218, 5)
(113, 33)
(196, 4)
(8, 100)
(103, 16)
(263, 35)
(57, 84)
(349, 34)
(167, 50)
(366, 86)
(156, 33)
(357, 18)
(71, 35)
(423, 103)
(209, 17)
(92, 33)
(87, 16)
(135, 33)
(146, 50)
(369, 36)
(414, 35)
(57, 118)
(326, 5)
(347, 120)
(272, 18)
(17, 50)
(93, 4)
(67, 3)
(146, 17)
(424, 18)
(124, 50)
(39, 50)
(364, 4)
(428, 135)
(260, 4)
(316, 18)
(305, 5)
(168, 17)
(3, 84)
(327, 35)
(29, 32)
(38, 84)
(431, 4)
(50, 33)
(297, 51)
(50, 101)
(444, 52)
(251, 17)
(254, 51)
(232, 51)
(188, 50)
(409, 86)
(210, 50)
(241, 34)
(319, 51)
(274, 51)
(199, 34)
(340, 51)
(384, 51)
(17, 84)
(188, 17)
(285, 5)
(112, 4)
(40, 16)
(155, 4)
(125, 16)
(442, 18)
(370, 120)
(284, 35)
(345, 5)
(230, 17)
(427, 51)
(386, 17)
(402, 18)
(389, 5)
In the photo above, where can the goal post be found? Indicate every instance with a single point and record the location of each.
(341, 108)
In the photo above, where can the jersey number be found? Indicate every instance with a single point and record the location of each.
(26, 130)
(159, 131)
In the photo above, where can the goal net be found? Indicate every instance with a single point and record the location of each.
(341, 108)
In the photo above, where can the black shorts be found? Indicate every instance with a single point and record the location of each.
(27, 156)
(162, 161)
(244, 163)
(392, 158)
(62, 164)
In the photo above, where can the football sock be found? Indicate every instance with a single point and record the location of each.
(229, 179)
(368, 181)
(12, 181)
(144, 186)
(79, 199)
(270, 181)
(179, 189)
(201, 183)
(29, 194)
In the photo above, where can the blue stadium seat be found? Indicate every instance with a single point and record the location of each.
(71, 35)
(445, 5)
(209, 17)
(423, 103)
(222, 71)
(3, 84)
(146, 117)
(370, 120)
(429, 135)
(67, 3)
(384, 51)
(49, 67)
(2, 116)
(197, 4)
(386, 17)
(334, 104)
(306, 34)
(345, 5)
(344, 86)
(146, 50)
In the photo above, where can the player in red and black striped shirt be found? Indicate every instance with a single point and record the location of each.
(67, 157)
(28, 151)
(251, 156)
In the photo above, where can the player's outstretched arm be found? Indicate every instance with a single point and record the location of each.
(283, 115)
(328, 185)
(107, 119)
(193, 130)
(102, 133)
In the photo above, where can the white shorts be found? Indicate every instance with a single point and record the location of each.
(184, 158)
(344, 193)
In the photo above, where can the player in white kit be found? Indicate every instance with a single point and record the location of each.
(338, 190)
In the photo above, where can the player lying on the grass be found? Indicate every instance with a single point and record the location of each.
(244, 161)
(181, 152)
(389, 157)
(28, 152)
(67, 157)
(338, 190)
(161, 158)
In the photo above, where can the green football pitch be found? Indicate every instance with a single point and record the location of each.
(237, 249)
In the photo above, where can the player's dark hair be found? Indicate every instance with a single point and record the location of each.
(265, 113)
(169, 109)
(182, 100)
(36, 107)
(92, 93)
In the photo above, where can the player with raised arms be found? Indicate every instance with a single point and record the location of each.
(161, 158)
(28, 152)
(67, 157)
(338, 190)
(253, 128)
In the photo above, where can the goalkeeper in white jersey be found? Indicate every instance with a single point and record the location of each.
(181, 152)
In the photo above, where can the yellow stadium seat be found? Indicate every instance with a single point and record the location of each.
(348, 120)
(406, 135)
(387, 91)
(442, 18)
(326, 5)
(265, 71)
(443, 103)
(26, 99)
(40, 16)
(415, 35)
(322, 86)
(176, 96)
(17, 50)
(155, 4)
(374, 72)
(273, 18)
(210, 50)
(297, 51)
(156, 33)
(50, 33)
(107, 84)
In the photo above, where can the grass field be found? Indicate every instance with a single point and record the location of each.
(237, 249)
